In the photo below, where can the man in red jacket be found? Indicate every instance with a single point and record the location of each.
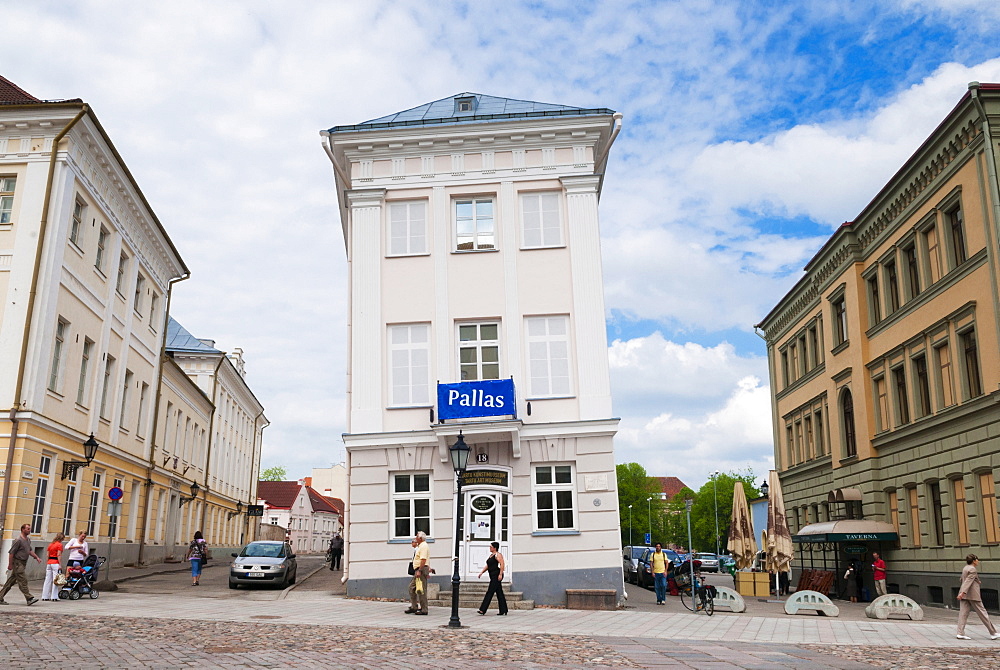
(878, 567)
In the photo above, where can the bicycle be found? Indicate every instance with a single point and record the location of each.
(704, 600)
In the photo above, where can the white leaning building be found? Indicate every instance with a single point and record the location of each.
(474, 260)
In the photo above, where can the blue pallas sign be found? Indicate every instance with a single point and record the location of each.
(469, 400)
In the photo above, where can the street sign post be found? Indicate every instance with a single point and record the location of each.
(115, 494)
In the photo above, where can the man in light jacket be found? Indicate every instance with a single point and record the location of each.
(969, 598)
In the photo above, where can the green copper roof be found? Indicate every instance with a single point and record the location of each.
(469, 108)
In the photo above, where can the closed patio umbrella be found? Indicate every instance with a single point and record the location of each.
(742, 543)
(779, 538)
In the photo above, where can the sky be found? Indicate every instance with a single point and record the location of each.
(751, 131)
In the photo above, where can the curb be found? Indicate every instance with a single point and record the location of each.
(157, 572)
(288, 589)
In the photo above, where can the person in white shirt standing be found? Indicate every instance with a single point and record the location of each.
(78, 549)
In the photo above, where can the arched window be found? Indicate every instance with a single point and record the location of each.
(847, 416)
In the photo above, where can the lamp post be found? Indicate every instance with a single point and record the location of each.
(649, 514)
(715, 493)
(459, 460)
(764, 488)
(630, 525)
(687, 505)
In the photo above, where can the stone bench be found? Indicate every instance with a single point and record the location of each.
(730, 598)
(591, 599)
(809, 601)
(894, 603)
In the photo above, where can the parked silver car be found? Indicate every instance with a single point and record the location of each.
(630, 562)
(709, 562)
(263, 562)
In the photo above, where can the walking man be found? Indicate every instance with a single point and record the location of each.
(421, 569)
(878, 568)
(969, 598)
(19, 553)
(658, 561)
(336, 551)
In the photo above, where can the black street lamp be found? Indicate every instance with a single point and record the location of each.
(89, 452)
(459, 460)
(239, 510)
(194, 494)
(763, 488)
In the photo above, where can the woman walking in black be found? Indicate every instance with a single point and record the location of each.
(496, 566)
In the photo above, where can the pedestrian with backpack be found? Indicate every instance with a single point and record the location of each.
(197, 553)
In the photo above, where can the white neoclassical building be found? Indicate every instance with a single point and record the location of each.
(477, 307)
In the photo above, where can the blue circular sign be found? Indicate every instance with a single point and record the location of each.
(115, 493)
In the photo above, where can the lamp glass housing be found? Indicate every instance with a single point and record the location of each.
(459, 454)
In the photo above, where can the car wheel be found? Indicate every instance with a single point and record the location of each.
(233, 584)
(295, 575)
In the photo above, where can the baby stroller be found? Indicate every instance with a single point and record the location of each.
(80, 580)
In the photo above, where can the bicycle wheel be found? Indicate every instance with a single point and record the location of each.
(686, 597)
(709, 605)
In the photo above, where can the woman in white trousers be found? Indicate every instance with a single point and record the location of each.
(50, 590)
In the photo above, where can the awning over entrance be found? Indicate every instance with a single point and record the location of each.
(843, 495)
(847, 530)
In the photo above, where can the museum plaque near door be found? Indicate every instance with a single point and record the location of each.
(499, 478)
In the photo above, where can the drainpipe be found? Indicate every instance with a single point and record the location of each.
(43, 225)
(611, 140)
(347, 522)
(211, 440)
(156, 417)
(254, 473)
(994, 186)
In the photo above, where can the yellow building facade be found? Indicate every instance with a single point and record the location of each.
(86, 271)
(885, 371)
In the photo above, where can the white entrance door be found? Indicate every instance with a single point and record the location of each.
(487, 519)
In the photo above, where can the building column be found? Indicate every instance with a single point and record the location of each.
(365, 248)
(593, 380)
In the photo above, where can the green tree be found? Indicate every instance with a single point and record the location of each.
(635, 488)
(275, 474)
(703, 513)
(675, 531)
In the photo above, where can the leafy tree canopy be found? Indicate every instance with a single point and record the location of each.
(276, 474)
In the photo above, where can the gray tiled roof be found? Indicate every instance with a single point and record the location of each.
(179, 339)
(484, 108)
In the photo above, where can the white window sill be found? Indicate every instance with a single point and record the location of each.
(413, 255)
(561, 245)
(542, 533)
(407, 540)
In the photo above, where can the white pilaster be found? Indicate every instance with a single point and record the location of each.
(594, 383)
(367, 334)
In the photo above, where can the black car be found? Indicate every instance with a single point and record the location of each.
(645, 567)
(264, 562)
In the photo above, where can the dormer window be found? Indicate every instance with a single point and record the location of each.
(465, 104)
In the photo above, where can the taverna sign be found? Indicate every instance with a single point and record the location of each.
(468, 400)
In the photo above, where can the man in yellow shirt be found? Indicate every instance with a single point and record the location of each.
(658, 561)
(421, 569)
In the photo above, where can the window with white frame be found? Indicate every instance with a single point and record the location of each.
(540, 222)
(79, 213)
(102, 244)
(474, 226)
(555, 496)
(125, 393)
(41, 493)
(407, 228)
(409, 361)
(81, 387)
(93, 526)
(109, 368)
(122, 268)
(143, 398)
(479, 351)
(62, 330)
(548, 355)
(154, 303)
(68, 507)
(7, 185)
(140, 289)
(411, 504)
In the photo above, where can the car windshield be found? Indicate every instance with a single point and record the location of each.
(263, 550)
